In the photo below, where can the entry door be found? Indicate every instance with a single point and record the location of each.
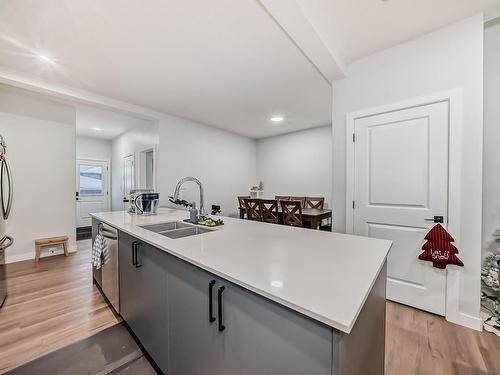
(401, 181)
(93, 190)
(128, 176)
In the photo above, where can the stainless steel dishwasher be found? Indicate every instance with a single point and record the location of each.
(107, 277)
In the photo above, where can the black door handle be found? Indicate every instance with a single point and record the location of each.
(211, 317)
(436, 219)
(134, 244)
(222, 327)
(137, 264)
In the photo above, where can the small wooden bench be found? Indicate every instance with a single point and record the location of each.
(50, 241)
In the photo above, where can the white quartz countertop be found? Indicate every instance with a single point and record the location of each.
(326, 276)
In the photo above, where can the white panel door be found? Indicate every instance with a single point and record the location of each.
(93, 190)
(401, 179)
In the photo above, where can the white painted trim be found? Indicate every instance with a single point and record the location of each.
(93, 159)
(138, 158)
(30, 254)
(455, 100)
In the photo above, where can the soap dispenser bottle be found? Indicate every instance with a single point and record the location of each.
(193, 213)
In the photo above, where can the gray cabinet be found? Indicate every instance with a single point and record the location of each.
(128, 285)
(260, 337)
(194, 341)
(143, 295)
(174, 309)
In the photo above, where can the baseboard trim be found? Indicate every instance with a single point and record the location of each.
(467, 320)
(28, 256)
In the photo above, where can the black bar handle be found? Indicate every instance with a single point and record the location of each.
(134, 244)
(137, 264)
(222, 327)
(211, 317)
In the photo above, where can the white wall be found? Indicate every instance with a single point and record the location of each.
(298, 163)
(40, 136)
(491, 175)
(224, 162)
(446, 59)
(130, 143)
(92, 148)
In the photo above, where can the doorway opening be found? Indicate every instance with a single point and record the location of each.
(115, 153)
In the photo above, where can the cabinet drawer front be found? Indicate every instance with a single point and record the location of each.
(127, 280)
(262, 337)
(193, 338)
(152, 316)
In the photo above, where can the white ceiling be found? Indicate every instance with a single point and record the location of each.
(104, 124)
(357, 28)
(493, 12)
(225, 63)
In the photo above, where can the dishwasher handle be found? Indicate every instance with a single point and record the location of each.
(109, 233)
(109, 236)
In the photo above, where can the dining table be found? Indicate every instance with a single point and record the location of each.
(313, 216)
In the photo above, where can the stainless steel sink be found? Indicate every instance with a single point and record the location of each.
(162, 227)
(185, 232)
(176, 229)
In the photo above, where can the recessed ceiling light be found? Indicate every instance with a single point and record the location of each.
(45, 59)
(277, 119)
(97, 129)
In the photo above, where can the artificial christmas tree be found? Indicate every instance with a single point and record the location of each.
(439, 248)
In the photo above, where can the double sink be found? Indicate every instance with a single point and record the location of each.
(176, 229)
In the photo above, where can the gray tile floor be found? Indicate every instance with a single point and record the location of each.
(112, 351)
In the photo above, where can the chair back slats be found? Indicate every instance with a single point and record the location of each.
(252, 208)
(301, 199)
(318, 202)
(241, 205)
(282, 198)
(269, 210)
(292, 213)
(241, 199)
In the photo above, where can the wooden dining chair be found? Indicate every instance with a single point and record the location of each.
(269, 210)
(301, 199)
(282, 198)
(292, 213)
(241, 203)
(252, 208)
(317, 203)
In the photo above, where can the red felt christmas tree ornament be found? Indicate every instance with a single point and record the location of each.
(439, 248)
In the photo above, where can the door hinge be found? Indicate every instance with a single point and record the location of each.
(354, 137)
(353, 204)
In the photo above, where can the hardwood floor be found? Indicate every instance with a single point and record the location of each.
(50, 304)
(419, 343)
(54, 303)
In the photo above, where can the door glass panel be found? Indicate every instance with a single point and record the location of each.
(90, 180)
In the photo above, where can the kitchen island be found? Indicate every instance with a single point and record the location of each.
(251, 297)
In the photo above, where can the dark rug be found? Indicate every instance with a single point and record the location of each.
(112, 351)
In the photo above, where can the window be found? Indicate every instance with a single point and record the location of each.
(90, 180)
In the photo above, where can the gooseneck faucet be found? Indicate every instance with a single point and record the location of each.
(175, 198)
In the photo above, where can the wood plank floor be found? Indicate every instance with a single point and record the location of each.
(50, 305)
(419, 343)
(54, 303)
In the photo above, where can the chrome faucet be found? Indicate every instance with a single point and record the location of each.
(175, 198)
